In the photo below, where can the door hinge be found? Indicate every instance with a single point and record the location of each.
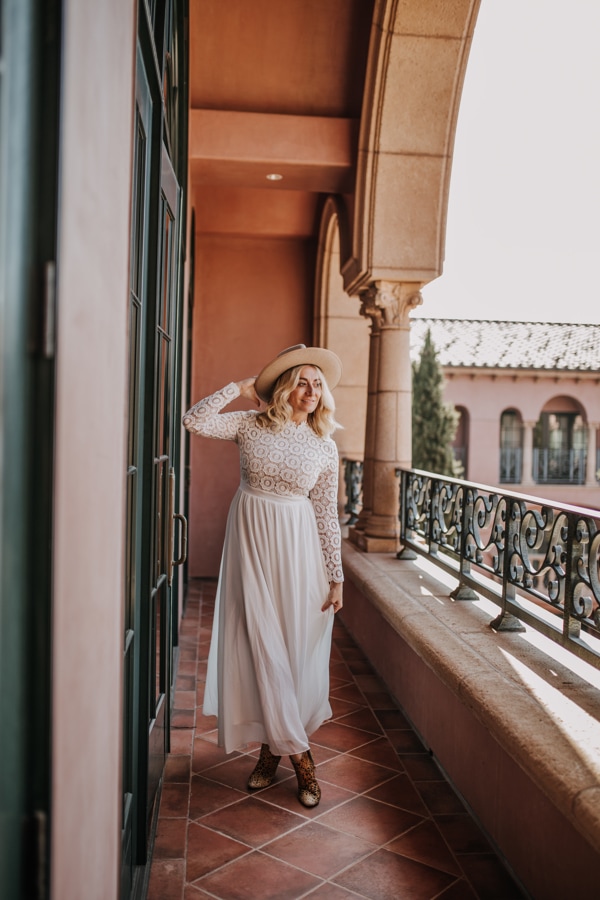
(48, 342)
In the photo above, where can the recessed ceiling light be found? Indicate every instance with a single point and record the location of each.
(273, 176)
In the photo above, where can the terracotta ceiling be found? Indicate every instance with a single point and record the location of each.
(275, 88)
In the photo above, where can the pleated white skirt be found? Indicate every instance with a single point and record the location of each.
(268, 666)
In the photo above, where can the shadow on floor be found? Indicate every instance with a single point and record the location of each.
(389, 826)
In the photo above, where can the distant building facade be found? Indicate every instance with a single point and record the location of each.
(528, 394)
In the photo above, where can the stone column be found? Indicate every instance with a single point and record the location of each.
(590, 473)
(527, 473)
(371, 417)
(388, 442)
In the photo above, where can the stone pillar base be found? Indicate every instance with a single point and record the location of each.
(373, 544)
(381, 525)
(378, 534)
(354, 535)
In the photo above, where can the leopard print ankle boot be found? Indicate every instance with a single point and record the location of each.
(264, 771)
(309, 792)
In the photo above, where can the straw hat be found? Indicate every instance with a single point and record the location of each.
(298, 355)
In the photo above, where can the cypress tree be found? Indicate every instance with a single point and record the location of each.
(434, 422)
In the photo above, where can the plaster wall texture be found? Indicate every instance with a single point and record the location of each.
(223, 209)
(484, 455)
(91, 391)
(434, 19)
(576, 495)
(253, 298)
(305, 47)
(528, 394)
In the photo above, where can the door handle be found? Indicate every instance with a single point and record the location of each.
(173, 516)
(184, 540)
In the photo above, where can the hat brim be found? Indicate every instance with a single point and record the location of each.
(328, 362)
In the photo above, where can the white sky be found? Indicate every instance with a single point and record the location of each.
(523, 232)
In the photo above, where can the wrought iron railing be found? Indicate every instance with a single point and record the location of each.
(559, 466)
(353, 469)
(511, 465)
(538, 561)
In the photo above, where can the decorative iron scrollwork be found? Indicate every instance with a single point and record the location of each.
(539, 562)
(353, 473)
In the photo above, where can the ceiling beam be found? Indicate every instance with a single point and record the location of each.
(312, 153)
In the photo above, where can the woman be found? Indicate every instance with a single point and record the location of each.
(281, 577)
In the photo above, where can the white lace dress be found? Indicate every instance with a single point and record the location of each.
(268, 667)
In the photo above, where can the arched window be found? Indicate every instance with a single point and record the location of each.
(560, 450)
(511, 447)
(460, 444)
(560, 443)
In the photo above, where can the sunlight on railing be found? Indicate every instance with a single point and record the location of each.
(538, 561)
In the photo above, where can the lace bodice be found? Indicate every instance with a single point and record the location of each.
(291, 462)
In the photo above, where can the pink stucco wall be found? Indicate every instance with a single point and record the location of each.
(253, 298)
(486, 396)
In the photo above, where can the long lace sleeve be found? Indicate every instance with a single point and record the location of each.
(204, 417)
(324, 500)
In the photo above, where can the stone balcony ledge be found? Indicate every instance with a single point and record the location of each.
(540, 704)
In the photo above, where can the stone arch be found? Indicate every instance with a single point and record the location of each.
(329, 288)
(415, 71)
(563, 403)
(417, 60)
(339, 327)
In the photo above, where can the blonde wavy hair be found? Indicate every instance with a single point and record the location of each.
(279, 411)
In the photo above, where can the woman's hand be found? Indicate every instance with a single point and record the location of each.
(247, 390)
(334, 597)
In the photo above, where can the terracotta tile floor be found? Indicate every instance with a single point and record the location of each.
(388, 826)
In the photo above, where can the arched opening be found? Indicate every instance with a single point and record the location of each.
(460, 444)
(511, 447)
(339, 327)
(417, 60)
(560, 443)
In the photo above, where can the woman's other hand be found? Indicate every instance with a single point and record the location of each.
(247, 390)
(334, 597)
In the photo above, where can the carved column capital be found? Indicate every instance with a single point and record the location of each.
(388, 303)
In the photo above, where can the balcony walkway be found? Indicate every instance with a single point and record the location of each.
(389, 826)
